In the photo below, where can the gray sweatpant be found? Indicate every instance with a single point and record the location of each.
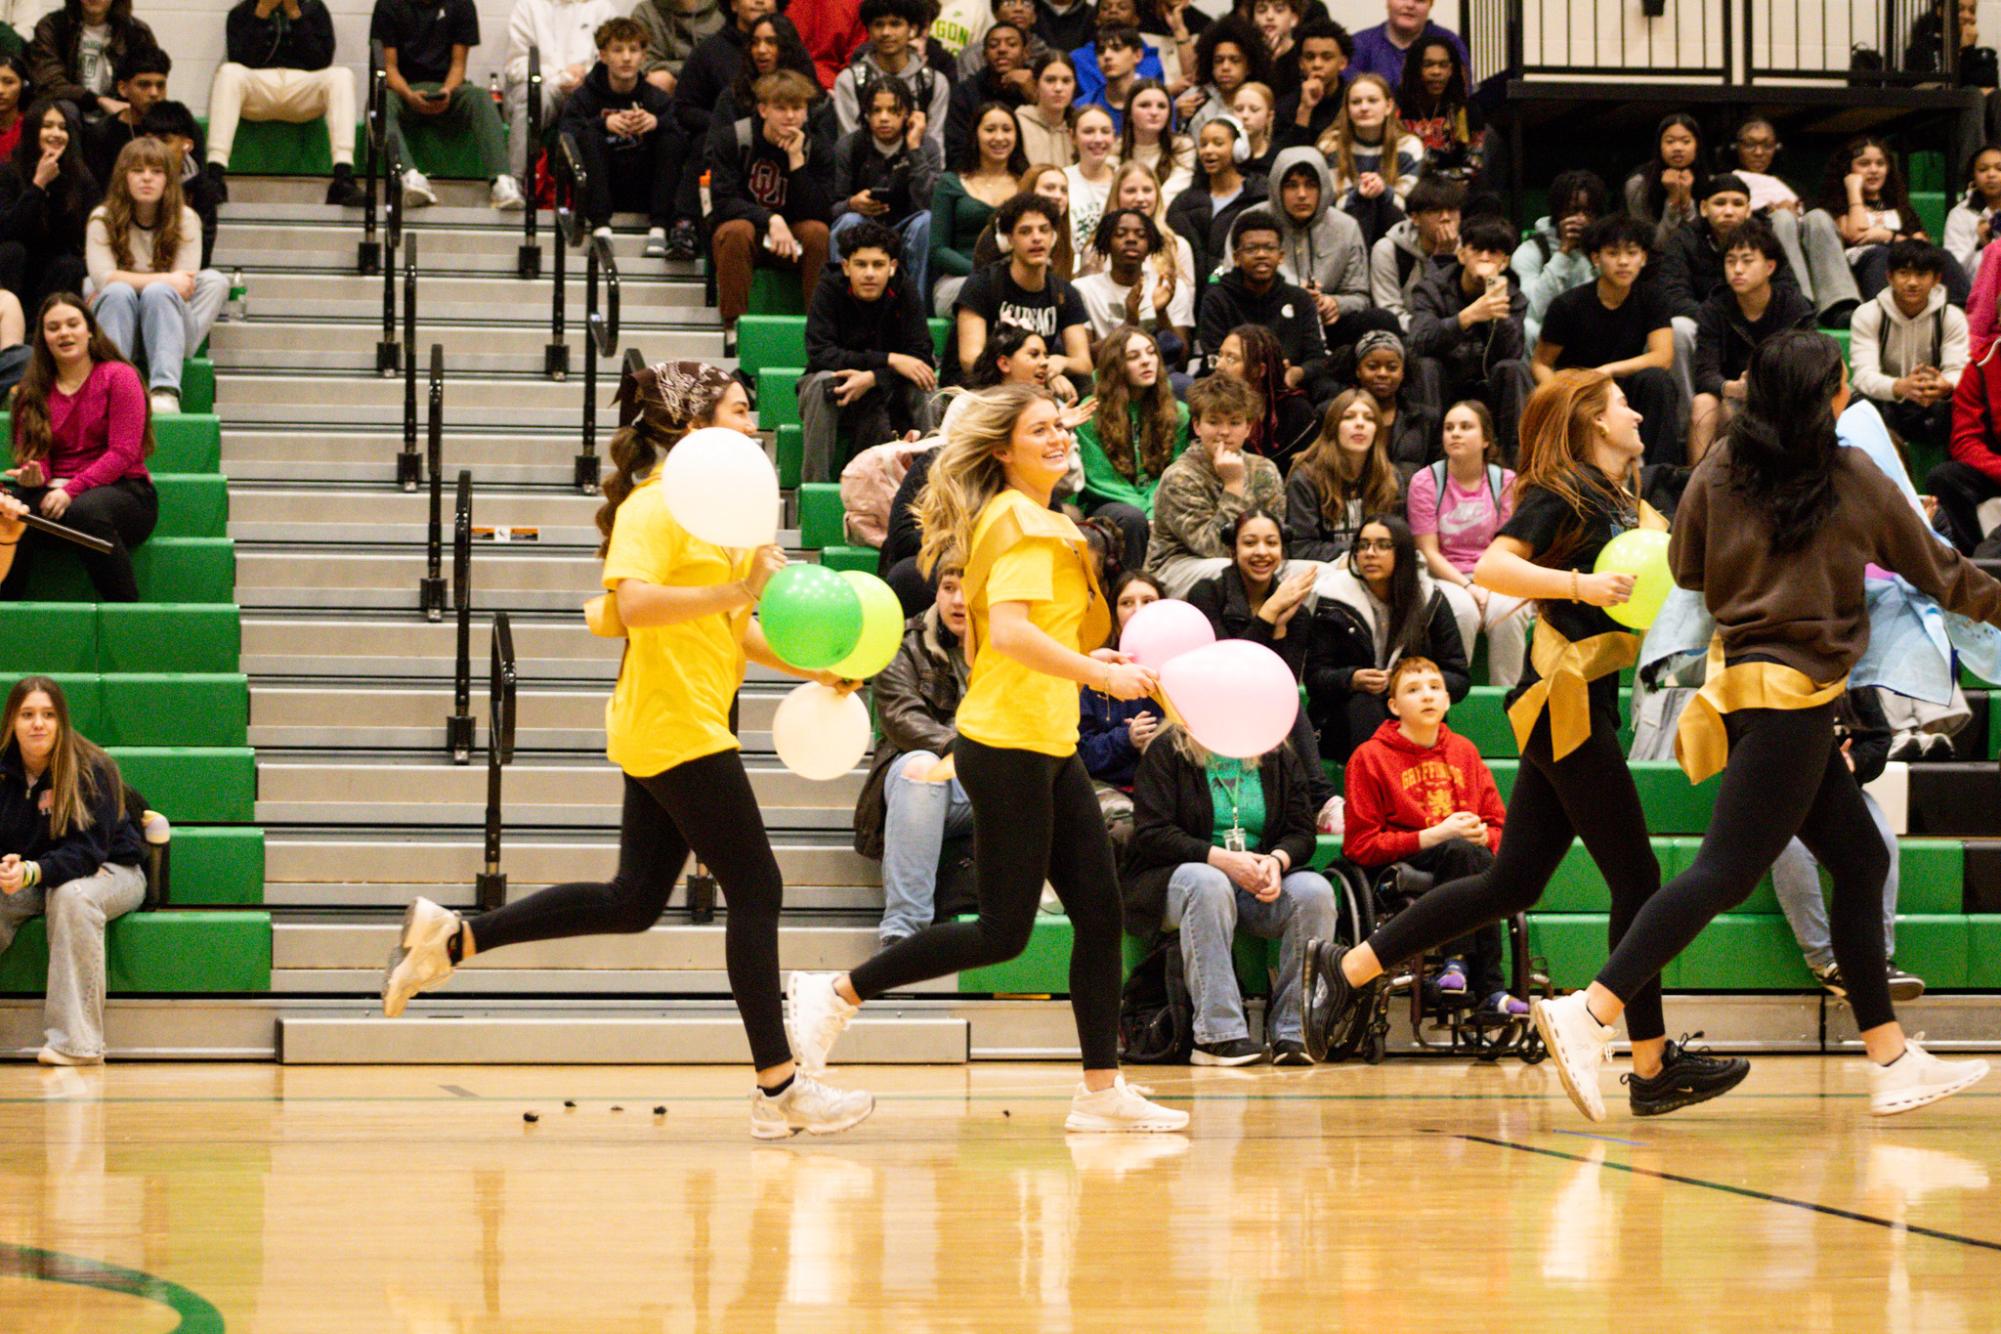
(78, 910)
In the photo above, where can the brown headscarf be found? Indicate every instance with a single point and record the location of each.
(671, 395)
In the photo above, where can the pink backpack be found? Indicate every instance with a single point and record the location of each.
(869, 483)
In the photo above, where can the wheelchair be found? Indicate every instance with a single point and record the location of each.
(1443, 1026)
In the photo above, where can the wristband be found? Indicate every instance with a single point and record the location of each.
(33, 876)
(1573, 587)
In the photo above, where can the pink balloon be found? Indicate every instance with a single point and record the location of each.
(1237, 698)
(1162, 631)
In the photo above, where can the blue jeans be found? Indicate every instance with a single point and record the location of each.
(1208, 908)
(1796, 880)
(166, 326)
(916, 233)
(921, 817)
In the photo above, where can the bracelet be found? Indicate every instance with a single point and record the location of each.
(1573, 587)
(15, 543)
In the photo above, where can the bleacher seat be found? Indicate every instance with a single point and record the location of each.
(275, 148)
(192, 504)
(193, 784)
(432, 151)
(158, 952)
(168, 569)
(120, 637)
(159, 708)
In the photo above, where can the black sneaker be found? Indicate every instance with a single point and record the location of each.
(343, 192)
(1904, 986)
(1830, 981)
(1287, 1052)
(218, 182)
(683, 239)
(1332, 1007)
(1688, 1076)
(1237, 1051)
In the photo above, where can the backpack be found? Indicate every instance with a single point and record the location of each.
(1493, 483)
(867, 77)
(1156, 1011)
(869, 483)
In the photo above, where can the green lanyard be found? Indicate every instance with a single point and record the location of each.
(1235, 840)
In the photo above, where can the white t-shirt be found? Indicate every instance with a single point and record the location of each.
(1105, 302)
(1087, 205)
(1766, 190)
(93, 69)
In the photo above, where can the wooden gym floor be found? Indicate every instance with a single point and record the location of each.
(1418, 1194)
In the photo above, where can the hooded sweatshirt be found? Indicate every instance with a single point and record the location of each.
(1286, 310)
(1692, 269)
(905, 175)
(1397, 264)
(1725, 340)
(706, 75)
(1351, 632)
(738, 189)
(564, 31)
(1397, 788)
(674, 28)
(930, 91)
(1976, 414)
(1884, 345)
(846, 333)
(1327, 248)
(1471, 354)
(595, 96)
(1546, 273)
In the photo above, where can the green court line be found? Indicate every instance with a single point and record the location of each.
(198, 1315)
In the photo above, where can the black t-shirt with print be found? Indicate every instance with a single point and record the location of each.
(423, 33)
(993, 294)
(1590, 335)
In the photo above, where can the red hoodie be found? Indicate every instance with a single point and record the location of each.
(1397, 788)
(1976, 411)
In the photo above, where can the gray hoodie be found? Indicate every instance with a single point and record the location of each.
(1883, 345)
(1397, 264)
(673, 29)
(1328, 248)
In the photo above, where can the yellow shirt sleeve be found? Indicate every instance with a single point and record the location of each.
(644, 544)
(1026, 572)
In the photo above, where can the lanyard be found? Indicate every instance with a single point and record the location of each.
(1232, 791)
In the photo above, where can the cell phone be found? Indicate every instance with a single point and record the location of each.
(878, 194)
(1495, 280)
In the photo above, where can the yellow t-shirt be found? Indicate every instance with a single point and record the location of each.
(1025, 553)
(672, 700)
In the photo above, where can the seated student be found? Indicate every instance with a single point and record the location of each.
(1202, 492)
(1112, 734)
(1136, 430)
(1970, 224)
(622, 127)
(175, 126)
(1865, 196)
(1088, 180)
(65, 67)
(768, 189)
(1865, 734)
(1972, 475)
(46, 195)
(565, 33)
(1003, 79)
(902, 818)
(892, 26)
(1689, 269)
(1812, 245)
(1306, 111)
(1406, 413)
(424, 52)
(1021, 15)
(1136, 186)
(1045, 122)
(72, 849)
(674, 28)
(141, 82)
(886, 173)
(1752, 307)
(1663, 192)
(1222, 845)
(773, 44)
(1468, 317)
(1148, 141)
(1434, 104)
(81, 437)
(1277, 21)
(1552, 260)
(15, 94)
(1253, 106)
(1229, 54)
(1621, 326)
(1110, 66)
(1419, 795)
(1138, 286)
(1253, 293)
(1907, 348)
(1287, 423)
(868, 354)
(1456, 507)
(1385, 49)
(1024, 291)
(1338, 480)
(1377, 607)
(964, 200)
(143, 251)
(1376, 164)
(1429, 236)
(1323, 249)
(1052, 184)
(1220, 194)
(705, 77)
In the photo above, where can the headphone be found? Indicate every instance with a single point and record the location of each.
(1240, 149)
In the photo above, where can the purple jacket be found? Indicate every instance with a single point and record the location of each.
(1376, 54)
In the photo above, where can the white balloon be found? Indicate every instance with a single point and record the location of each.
(722, 488)
(820, 733)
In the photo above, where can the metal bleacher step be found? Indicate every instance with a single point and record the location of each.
(499, 299)
(329, 399)
(511, 576)
(314, 452)
(382, 513)
(471, 348)
(448, 240)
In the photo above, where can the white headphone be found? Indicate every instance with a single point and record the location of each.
(1240, 148)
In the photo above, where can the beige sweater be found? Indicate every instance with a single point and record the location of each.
(99, 260)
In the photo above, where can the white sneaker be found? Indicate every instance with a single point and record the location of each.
(809, 1105)
(507, 195)
(164, 400)
(417, 192)
(1577, 1044)
(420, 960)
(815, 1014)
(50, 1056)
(602, 233)
(1917, 1078)
(656, 243)
(1120, 1108)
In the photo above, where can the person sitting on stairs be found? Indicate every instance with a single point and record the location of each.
(280, 66)
(424, 50)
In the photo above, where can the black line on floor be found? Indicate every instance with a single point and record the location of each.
(1745, 1191)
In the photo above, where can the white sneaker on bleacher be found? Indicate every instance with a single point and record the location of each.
(417, 192)
(506, 195)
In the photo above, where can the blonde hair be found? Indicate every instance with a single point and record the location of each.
(1128, 168)
(967, 474)
(1338, 142)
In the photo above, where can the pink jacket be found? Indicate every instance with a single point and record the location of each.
(98, 434)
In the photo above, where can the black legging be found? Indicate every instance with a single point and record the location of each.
(1785, 777)
(1589, 794)
(1035, 817)
(123, 512)
(706, 805)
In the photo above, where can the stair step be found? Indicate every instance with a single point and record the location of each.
(385, 514)
(343, 944)
(280, 344)
(559, 1040)
(401, 718)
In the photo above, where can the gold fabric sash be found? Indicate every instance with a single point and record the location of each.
(1567, 671)
(1702, 744)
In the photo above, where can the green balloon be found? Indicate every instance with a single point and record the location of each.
(1642, 553)
(882, 628)
(811, 616)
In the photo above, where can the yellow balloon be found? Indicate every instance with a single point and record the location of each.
(1642, 553)
(882, 628)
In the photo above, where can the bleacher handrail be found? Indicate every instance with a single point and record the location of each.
(459, 727)
(567, 181)
(368, 257)
(431, 593)
(603, 328)
(407, 475)
(387, 353)
(528, 260)
(490, 889)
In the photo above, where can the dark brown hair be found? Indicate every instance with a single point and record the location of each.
(78, 769)
(32, 433)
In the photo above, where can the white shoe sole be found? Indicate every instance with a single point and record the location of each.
(1539, 1011)
(50, 1056)
(397, 988)
(1912, 1099)
(1199, 1057)
(1102, 1125)
(785, 1130)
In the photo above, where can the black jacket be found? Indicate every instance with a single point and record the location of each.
(1859, 718)
(1309, 533)
(845, 333)
(705, 76)
(968, 95)
(1192, 214)
(113, 836)
(904, 539)
(738, 190)
(916, 701)
(585, 109)
(1724, 339)
(1222, 599)
(1691, 269)
(1342, 644)
(1173, 820)
(905, 177)
(1286, 310)
(1286, 131)
(1468, 354)
(1066, 32)
(52, 55)
(278, 42)
(39, 222)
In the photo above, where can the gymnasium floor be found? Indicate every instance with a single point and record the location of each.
(1409, 1196)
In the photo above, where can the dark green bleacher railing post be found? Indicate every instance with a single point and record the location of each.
(490, 888)
(528, 260)
(368, 256)
(459, 727)
(431, 592)
(408, 465)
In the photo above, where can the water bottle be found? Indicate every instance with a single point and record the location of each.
(239, 298)
(493, 89)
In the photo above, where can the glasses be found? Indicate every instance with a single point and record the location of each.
(1258, 248)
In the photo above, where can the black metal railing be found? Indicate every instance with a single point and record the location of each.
(368, 258)
(459, 727)
(567, 179)
(572, 180)
(603, 327)
(387, 353)
(528, 260)
(490, 889)
(408, 468)
(1866, 43)
(431, 591)
(1686, 39)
